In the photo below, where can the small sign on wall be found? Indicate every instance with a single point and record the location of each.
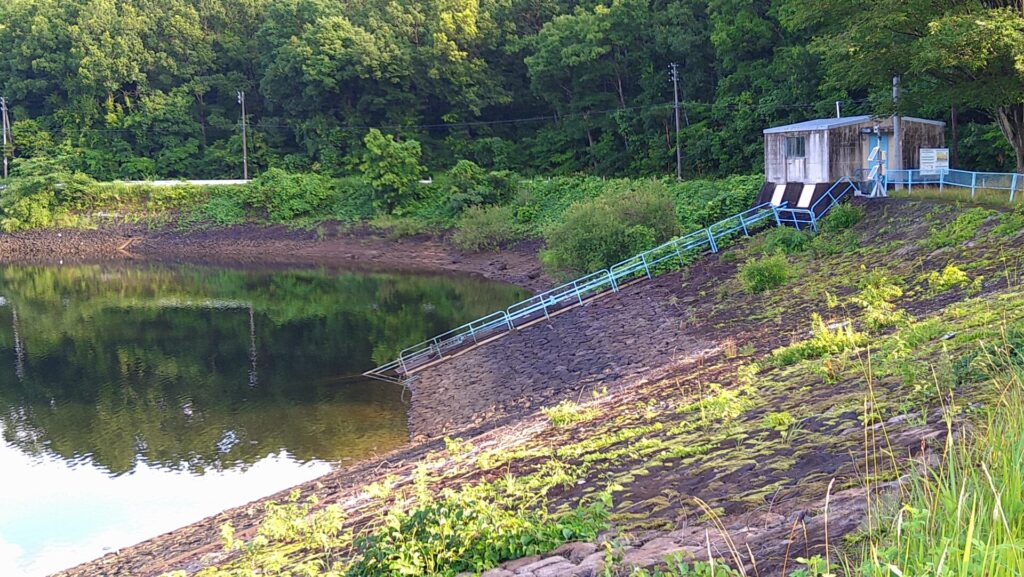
(934, 160)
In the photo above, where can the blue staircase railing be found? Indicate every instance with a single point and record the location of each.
(809, 217)
(668, 256)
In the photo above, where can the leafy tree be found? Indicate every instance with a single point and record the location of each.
(964, 52)
(392, 167)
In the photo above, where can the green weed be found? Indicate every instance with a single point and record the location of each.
(949, 278)
(569, 413)
(825, 341)
(841, 218)
(486, 228)
(963, 228)
(765, 273)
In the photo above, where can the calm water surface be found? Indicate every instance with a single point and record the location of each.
(136, 400)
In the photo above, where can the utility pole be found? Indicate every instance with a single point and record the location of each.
(897, 129)
(245, 145)
(675, 104)
(6, 129)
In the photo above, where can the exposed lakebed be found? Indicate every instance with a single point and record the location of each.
(136, 399)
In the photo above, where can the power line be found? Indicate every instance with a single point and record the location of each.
(552, 118)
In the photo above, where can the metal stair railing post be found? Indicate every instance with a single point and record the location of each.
(1013, 186)
(942, 180)
(974, 183)
(775, 211)
(711, 241)
(744, 225)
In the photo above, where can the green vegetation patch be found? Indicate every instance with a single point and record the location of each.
(766, 273)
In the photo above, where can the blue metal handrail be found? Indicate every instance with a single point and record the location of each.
(811, 215)
(1008, 181)
(577, 292)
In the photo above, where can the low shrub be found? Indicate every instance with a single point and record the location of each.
(469, 185)
(285, 196)
(784, 239)
(841, 217)
(39, 194)
(225, 207)
(765, 273)
(597, 234)
(471, 531)
(486, 228)
(352, 200)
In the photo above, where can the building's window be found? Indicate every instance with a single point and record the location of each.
(796, 147)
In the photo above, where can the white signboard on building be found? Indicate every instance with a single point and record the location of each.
(934, 160)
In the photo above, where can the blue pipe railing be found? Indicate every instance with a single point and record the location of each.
(575, 293)
(812, 215)
(1010, 182)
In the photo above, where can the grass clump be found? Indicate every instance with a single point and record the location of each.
(841, 218)
(780, 421)
(765, 273)
(784, 239)
(569, 413)
(959, 230)
(720, 405)
(964, 517)
(599, 233)
(825, 341)
(837, 242)
(486, 228)
(395, 227)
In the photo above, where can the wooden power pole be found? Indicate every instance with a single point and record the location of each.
(675, 104)
(5, 128)
(245, 144)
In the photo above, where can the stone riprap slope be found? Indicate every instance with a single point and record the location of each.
(719, 419)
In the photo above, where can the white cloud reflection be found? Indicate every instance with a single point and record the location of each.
(54, 515)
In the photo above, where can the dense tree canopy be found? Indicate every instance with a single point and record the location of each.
(141, 88)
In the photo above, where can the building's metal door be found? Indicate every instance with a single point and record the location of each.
(875, 141)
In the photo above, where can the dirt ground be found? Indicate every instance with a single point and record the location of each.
(277, 246)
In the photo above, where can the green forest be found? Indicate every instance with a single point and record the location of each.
(132, 89)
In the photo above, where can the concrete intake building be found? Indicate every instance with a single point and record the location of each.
(802, 160)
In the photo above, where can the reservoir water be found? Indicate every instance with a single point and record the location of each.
(135, 400)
